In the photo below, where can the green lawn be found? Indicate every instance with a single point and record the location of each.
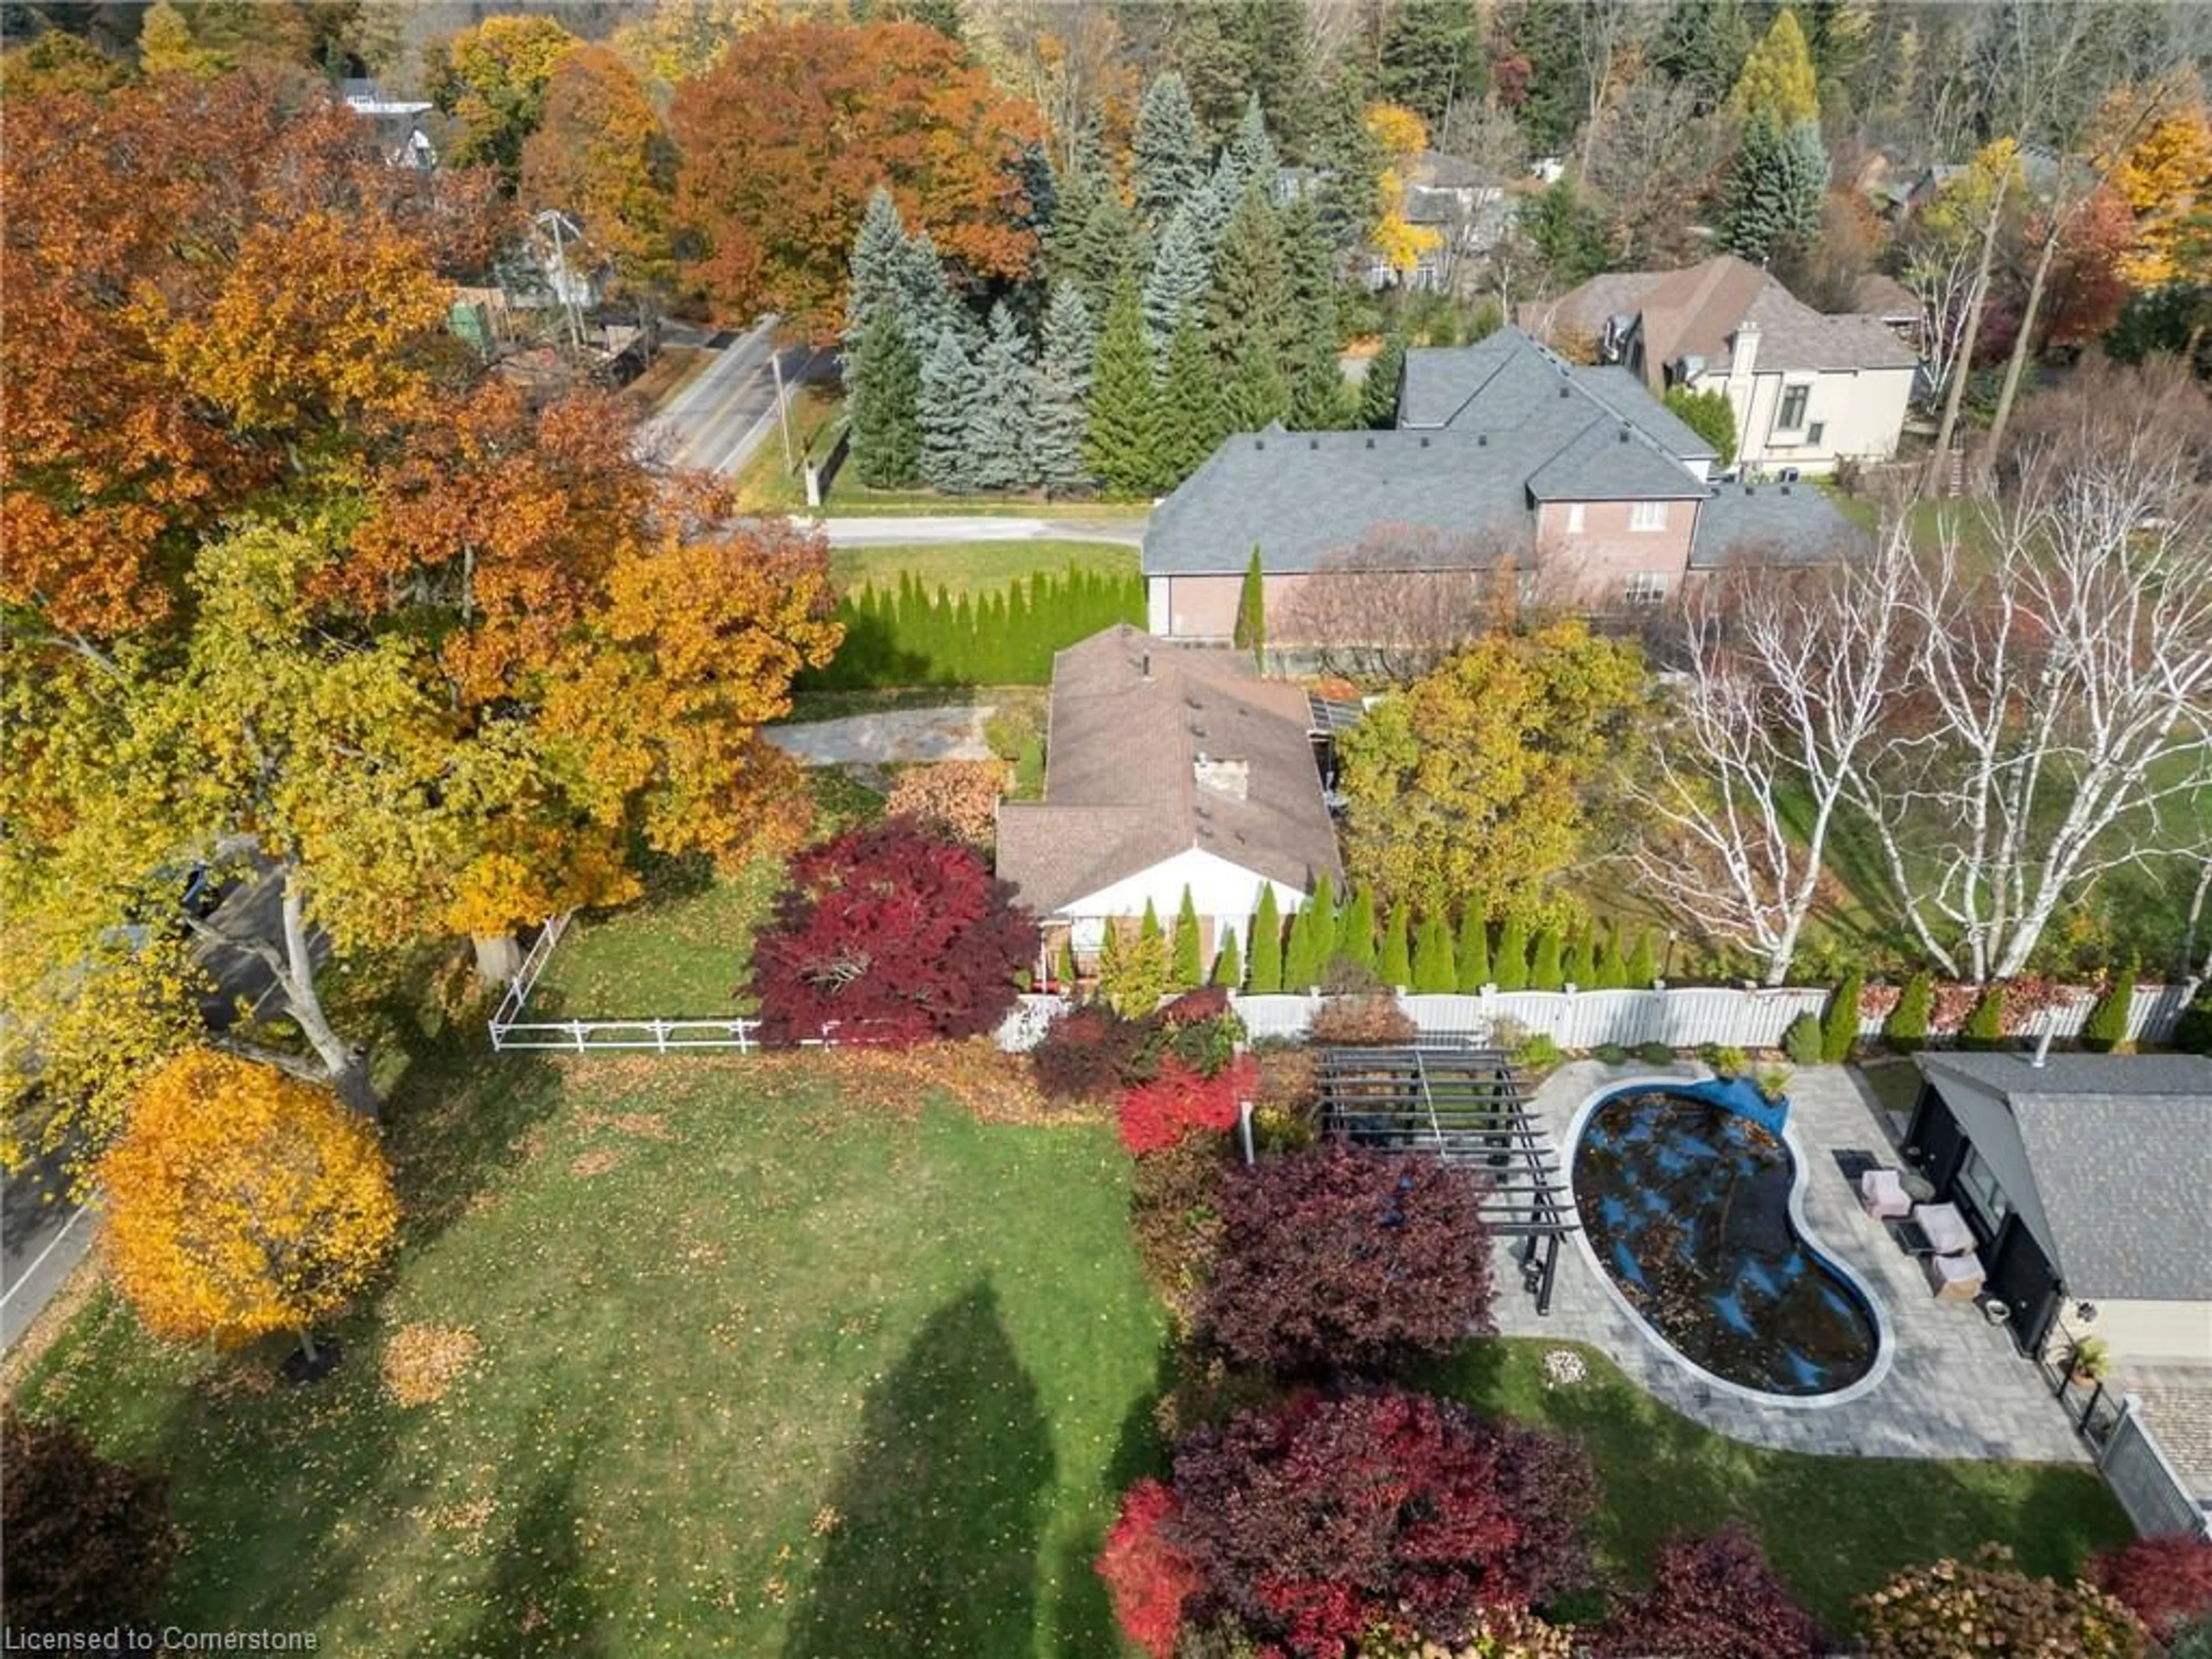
(763, 1371)
(1835, 1527)
(976, 567)
(677, 954)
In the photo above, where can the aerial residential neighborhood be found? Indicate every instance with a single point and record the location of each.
(1048, 829)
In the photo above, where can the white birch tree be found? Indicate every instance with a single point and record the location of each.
(1784, 695)
(2058, 723)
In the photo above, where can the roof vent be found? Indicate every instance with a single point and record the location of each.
(1145, 666)
(1785, 490)
(1623, 434)
(1565, 390)
(1312, 443)
(1482, 441)
(1424, 440)
(1371, 443)
(1258, 443)
(1747, 489)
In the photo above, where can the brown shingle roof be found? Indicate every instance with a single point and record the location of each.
(1697, 311)
(1121, 793)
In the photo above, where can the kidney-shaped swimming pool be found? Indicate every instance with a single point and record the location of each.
(1687, 1204)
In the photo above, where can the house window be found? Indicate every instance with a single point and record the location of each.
(1646, 587)
(1086, 936)
(1816, 432)
(1794, 400)
(1978, 1186)
(1574, 518)
(1648, 515)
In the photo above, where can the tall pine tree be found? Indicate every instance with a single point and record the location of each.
(999, 425)
(1474, 958)
(1431, 59)
(878, 256)
(1434, 970)
(1313, 367)
(1124, 444)
(883, 391)
(1059, 391)
(1180, 274)
(951, 394)
(1378, 393)
(1776, 190)
(1192, 421)
(1250, 156)
(1249, 302)
(1256, 396)
(1167, 157)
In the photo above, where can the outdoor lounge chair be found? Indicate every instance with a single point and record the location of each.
(1881, 1194)
(1954, 1278)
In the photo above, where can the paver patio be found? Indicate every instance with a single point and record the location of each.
(1956, 1387)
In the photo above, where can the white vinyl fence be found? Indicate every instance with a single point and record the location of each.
(1680, 1017)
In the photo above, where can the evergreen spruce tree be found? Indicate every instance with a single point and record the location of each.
(1435, 972)
(1250, 157)
(1355, 933)
(1167, 157)
(1313, 366)
(1777, 78)
(1776, 190)
(1149, 928)
(2106, 1028)
(1267, 931)
(1180, 272)
(1641, 970)
(1189, 964)
(1299, 974)
(1108, 246)
(1510, 967)
(1249, 303)
(952, 393)
(1123, 448)
(878, 263)
(1228, 966)
(1000, 425)
(1701, 45)
(1431, 57)
(1322, 925)
(1059, 391)
(1378, 393)
(926, 307)
(1255, 396)
(1251, 633)
(1839, 1029)
(1192, 420)
(1580, 967)
(1473, 955)
(1546, 972)
(1396, 966)
(883, 393)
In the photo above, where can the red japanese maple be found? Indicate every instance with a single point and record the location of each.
(1147, 1575)
(1157, 1113)
(1714, 1598)
(890, 936)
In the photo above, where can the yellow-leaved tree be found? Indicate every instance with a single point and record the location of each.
(242, 1201)
(1400, 135)
(2166, 178)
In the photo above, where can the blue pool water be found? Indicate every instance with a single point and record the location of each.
(1687, 1206)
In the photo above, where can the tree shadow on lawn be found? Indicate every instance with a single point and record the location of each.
(536, 1599)
(1083, 1618)
(939, 1510)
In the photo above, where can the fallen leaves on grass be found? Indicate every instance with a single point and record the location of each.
(646, 1126)
(422, 1361)
(996, 1087)
(599, 1163)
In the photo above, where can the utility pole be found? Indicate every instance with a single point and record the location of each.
(782, 408)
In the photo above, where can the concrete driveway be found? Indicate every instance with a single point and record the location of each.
(920, 528)
(897, 737)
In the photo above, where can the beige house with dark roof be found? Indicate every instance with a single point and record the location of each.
(1167, 766)
(1808, 389)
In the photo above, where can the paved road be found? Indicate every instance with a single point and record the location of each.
(896, 736)
(981, 527)
(715, 420)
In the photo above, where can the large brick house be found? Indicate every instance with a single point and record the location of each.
(1504, 451)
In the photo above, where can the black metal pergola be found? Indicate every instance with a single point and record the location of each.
(1467, 1107)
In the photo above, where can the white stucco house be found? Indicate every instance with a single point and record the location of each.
(1808, 389)
(1166, 767)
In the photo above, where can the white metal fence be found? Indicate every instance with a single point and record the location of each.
(2143, 1477)
(2153, 1013)
(511, 1031)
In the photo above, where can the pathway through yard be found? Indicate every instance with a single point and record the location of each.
(895, 736)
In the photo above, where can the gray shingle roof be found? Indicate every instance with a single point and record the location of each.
(1120, 785)
(1784, 523)
(2120, 1147)
(1487, 431)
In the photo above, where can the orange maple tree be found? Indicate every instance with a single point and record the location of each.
(601, 153)
(241, 1201)
(786, 137)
